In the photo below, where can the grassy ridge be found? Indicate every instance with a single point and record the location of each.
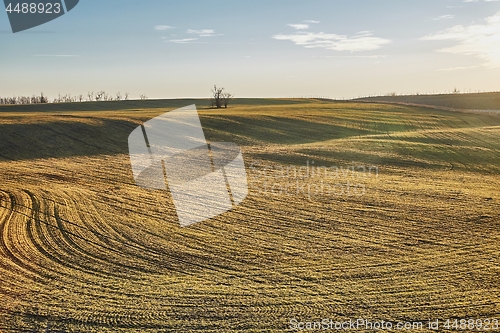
(82, 249)
(477, 101)
(141, 105)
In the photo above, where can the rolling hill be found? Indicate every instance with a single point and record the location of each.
(355, 210)
(475, 101)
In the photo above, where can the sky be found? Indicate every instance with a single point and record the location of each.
(259, 48)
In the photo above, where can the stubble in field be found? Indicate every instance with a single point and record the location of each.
(354, 211)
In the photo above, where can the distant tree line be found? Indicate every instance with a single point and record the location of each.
(24, 100)
(100, 96)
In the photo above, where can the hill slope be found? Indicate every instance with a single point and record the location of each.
(479, 101)
(355, 211)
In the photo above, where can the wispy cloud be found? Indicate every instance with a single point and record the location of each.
(203, 32)
(353, 56)
(364, 33)
(183, 41)
(163, 27)
(56, 55)
(482, 41)
(188, 37)
(443, 17)
(299, 26)
(363, 41)
(312, 21)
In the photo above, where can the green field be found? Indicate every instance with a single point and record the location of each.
(82, 249)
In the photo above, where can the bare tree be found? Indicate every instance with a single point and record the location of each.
(226, 98)
(217, 96)
(143, 97)
(126, 96)
(99, 96)
(220, 97)
(68, 99)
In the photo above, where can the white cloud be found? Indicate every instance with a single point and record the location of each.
(183, 41)
(163, 27)
(482, 41)
(312, 21)
(192, 39)
(364, 33)
(352, 56)
(443, 17)
(299, 26)
(203, 32)
(363, 41)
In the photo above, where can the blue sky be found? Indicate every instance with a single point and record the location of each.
(259, 48)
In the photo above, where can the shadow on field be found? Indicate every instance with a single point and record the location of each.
(64, 139)
(319, 158)
(274, 130)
